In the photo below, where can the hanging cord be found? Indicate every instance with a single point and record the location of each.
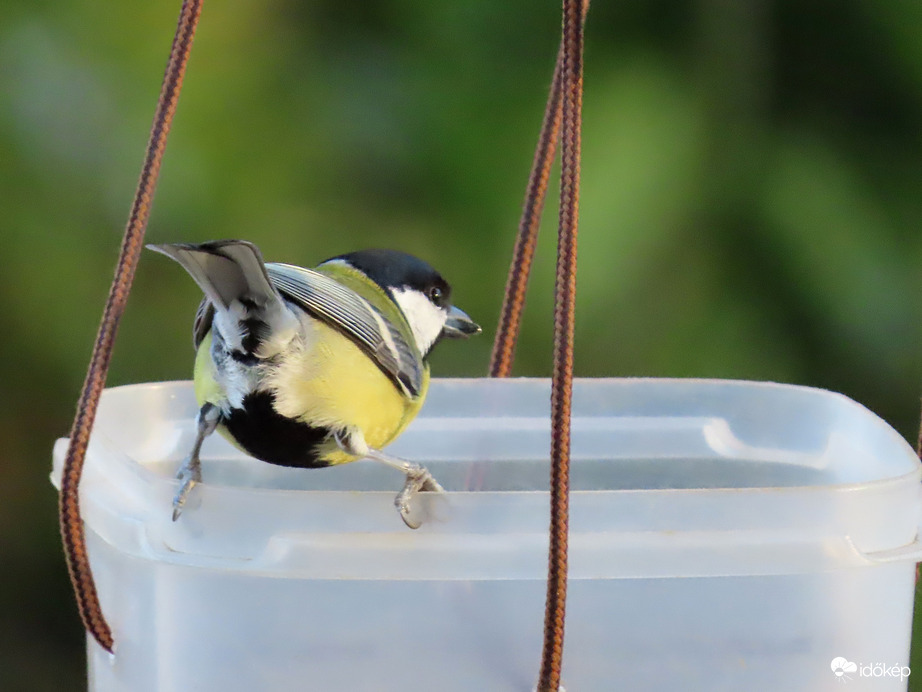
(72, 529)
(564, 310)
(510, 316)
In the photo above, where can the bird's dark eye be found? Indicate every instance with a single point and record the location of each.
(435, 295)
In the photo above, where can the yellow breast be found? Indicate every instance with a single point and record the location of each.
(333, 384)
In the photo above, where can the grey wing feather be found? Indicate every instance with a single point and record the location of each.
(203, 319)
(345, 310)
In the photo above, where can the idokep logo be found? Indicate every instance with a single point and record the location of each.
(846, 670)
(842, 667)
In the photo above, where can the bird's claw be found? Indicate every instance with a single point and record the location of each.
(190, 474)
(418, 477)
(418, 480)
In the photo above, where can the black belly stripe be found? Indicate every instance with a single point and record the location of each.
(267, 435)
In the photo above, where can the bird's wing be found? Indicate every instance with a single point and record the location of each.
(204, 316)
(345, 310)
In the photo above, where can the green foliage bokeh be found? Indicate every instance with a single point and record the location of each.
(751, 200)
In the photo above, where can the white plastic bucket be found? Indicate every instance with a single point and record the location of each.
(723, 536)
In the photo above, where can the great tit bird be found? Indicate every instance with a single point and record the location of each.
(314, 367)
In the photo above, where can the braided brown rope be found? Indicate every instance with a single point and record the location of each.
(510, 317)
(72, 529)
(564, 312)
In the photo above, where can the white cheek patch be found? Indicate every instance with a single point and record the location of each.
(425, 318)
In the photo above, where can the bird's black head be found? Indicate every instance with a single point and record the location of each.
(393, 270)
(422, 294)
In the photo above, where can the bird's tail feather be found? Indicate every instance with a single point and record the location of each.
(225, 270)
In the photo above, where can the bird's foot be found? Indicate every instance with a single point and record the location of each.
(190, 474)
(418, 480)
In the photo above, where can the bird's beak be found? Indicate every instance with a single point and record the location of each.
(459, 325)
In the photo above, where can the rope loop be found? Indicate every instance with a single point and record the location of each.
(73, 534)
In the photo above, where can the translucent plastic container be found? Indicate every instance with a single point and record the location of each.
(724, 536)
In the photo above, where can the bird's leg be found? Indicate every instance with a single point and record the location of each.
(419, 479)
(190, 472)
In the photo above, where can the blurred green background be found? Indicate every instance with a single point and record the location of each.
(752, 199)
